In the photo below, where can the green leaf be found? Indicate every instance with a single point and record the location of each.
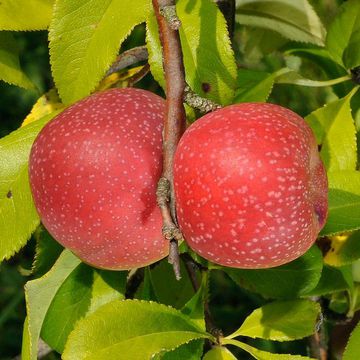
(334, 129)
(22, 15)
(47, 251)
(343, 38)
(208, 58)
(295, 20)
(292, 280)
(10, 70)
(85, 36)
(39, 294)
(18, 216)
(108, 333)
(332, 280)
(353, 346)
(168, 291)
(253, 86)
(344, 202)
(194, 308)
(219, 353)
(82, 293)
(191, 351)
(263, 355)
(344, 250)
(281, 321)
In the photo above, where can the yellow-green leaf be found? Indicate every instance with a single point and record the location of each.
(85, 36)
(22, 15)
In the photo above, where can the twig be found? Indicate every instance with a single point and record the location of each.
(174, 124)
(128, 58)
(43, 350)
(134, 282)
(318, 341)
(197, 102)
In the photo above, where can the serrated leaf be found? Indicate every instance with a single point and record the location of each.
(281, 321)
(22, 15)
(344, 249)
(85, 36)
(253, 86)
(332, 280)
(334, 129)
(10, 70)
(39, 294)
(18, 216)
(264, 355)
(344, 202)
(47, 252)
(343, 38)
(295, 20)
(108, 334)
(82, 293)
(209, 61)
(191, 351)
(219, 353)
(292, 280)
(353, 346)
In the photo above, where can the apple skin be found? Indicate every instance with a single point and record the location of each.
(251, 190)
(93, 174)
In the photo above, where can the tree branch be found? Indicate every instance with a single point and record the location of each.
(174, 122)
(128, 58)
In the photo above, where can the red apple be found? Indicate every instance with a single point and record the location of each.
(93, 175)
(250, 187)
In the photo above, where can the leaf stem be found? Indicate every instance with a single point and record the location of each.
(174, 121)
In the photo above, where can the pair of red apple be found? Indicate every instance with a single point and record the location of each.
(251, 191)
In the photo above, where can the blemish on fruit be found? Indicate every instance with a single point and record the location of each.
(9, 194)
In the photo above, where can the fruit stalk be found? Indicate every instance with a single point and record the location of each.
(174, 124)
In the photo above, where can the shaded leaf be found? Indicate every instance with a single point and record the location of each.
(22, 15)
(10, 70)
(343, 38)
(39, 294)
(253, 86)
(84, 41)
(208, 58)
(332, 280)
(292, 280)
(281, 321)
(295, 20)
(108, 334)
(18, 216)
(168, 291)
(46, 253)
(82, 293)
(191, 351)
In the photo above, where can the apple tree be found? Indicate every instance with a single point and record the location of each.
(186, 184)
